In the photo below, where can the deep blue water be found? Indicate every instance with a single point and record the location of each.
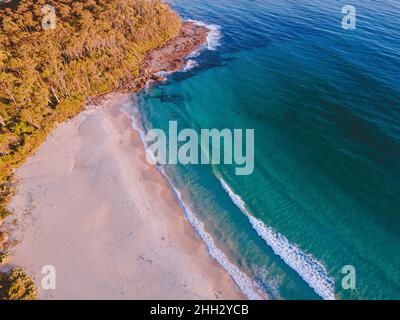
(325, 106)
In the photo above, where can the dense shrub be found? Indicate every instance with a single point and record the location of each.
(16, 285)
(47, 75)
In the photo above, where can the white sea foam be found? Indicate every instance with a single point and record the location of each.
(214, 35)
(213, 42)
(243, 281)
(163, 73)
(311, 270)
(246, 285)
(190, 64)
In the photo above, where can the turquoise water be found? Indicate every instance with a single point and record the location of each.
(325, 106)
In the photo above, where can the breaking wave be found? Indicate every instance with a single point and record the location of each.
(243, 281)
(312, 271)
(214, 36)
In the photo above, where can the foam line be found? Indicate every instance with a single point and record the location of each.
(213, 37)
(307, 267)
(243, 281)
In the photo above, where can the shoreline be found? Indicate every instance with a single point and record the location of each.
(40, 236)
(247, 286)
(169, 58)
(90, 205)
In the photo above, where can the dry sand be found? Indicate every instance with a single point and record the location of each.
(91, 206)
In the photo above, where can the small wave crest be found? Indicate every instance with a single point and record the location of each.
(310, 270)
(244, 282)
(246, 285)
(214, 35)
(190, 64)
(213, 42)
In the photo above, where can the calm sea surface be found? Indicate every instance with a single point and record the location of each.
(325, 106)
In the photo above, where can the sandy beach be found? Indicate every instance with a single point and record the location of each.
(90, 205)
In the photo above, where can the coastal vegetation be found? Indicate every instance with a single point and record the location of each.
(16, 285)
(48, 74)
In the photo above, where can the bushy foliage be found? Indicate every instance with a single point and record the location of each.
(47, 75)
(4, 257)
(17, 285)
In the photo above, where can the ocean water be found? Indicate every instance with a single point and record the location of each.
(325, 106)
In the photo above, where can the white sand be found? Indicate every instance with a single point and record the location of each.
(91, 206)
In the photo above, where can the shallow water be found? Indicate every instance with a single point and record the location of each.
(324, 103)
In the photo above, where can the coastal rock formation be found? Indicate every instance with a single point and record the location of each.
(170, 57)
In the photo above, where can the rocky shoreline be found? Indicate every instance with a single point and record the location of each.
(168, 58)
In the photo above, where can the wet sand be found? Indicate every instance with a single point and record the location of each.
(91, 206)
